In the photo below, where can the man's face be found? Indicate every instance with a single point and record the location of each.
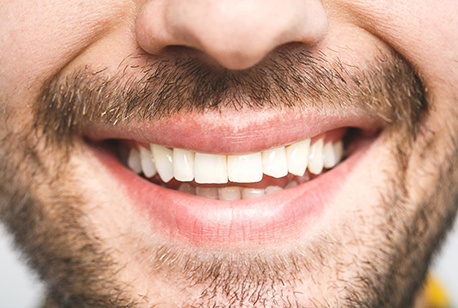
(229, 153)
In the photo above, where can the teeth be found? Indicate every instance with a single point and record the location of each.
(188, 166)
(298, 157)
(244, 168)
(332, 154)
(207, 192)
(163, 158)
(230, 193)
(291, 184)
(187, 188)
(315, 165)
(148, 167)
(134, 161)
(210, 168)
(250, 193)
(339, 150)
(273, 189)
(275, 163)
(183, 165)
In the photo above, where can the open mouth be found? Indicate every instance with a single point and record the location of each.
(238, 176)
(258, 183)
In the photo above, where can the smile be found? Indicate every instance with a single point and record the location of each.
(239, 185)
(218, 176)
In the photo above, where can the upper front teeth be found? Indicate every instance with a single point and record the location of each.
(163, 158)
(275, 162)
(244, 168)
(186, 166)
(298, 157)
(316, 157)
(209, 168)
(183, 165)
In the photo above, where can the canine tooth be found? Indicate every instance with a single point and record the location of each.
(187, 188)
(148, 167)
(164, 161)
(245, 168)
(231, 193)
(274, 162)
(134, 161)
(298, 157)
(183, 165)
(329, 156)
(210, 168)
(273, 189)
(316, 157)
(207, 192)
(250, 193)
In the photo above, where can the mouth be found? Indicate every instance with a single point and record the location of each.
(253, 184)
(239, 176)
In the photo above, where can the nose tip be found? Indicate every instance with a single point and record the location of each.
(236, 33)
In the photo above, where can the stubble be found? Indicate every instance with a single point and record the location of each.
(42, 208)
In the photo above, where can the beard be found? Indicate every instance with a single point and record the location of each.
(45, 204)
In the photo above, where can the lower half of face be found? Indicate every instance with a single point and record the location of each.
(119, 221)
(184, 185)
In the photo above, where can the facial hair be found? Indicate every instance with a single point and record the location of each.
(43, 209)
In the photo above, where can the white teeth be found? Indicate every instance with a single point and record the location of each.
(250, 193)
(332, 154)
(148, 167)
(188, 166)
(183, 165)
(315, 165)
(187, 188)
(244, 168)
(230, 193)
(163, 157)
(291, 184)
(273, 189)
(339, 150)
(134, 161)
(210, 168)
(329, 157)
(275, 163)
(207, 192)
(298, 157)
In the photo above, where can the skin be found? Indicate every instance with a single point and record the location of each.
(80, 226)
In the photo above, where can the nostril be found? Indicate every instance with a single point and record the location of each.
(237, 34)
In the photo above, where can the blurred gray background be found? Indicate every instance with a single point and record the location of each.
(20, 289)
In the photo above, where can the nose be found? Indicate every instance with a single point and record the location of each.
(236, 33)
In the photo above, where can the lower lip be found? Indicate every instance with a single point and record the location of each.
(287, 214)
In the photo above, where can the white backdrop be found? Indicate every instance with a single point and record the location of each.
(20, 289)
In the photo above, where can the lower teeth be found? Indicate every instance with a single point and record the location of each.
(231, 193)
(234, 192)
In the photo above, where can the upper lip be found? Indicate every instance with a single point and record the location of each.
(234, 132)
(203, 221)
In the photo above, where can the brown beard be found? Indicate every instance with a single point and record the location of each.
(43, 212)
(184, 84)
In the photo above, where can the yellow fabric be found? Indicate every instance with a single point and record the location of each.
(435, 294)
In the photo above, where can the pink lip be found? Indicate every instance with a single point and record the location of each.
(213, 223)
(236, 132)
(204, 222)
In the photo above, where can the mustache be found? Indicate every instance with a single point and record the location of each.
(389, 89)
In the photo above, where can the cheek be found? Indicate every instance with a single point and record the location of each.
(422, 31)
(43, 36)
